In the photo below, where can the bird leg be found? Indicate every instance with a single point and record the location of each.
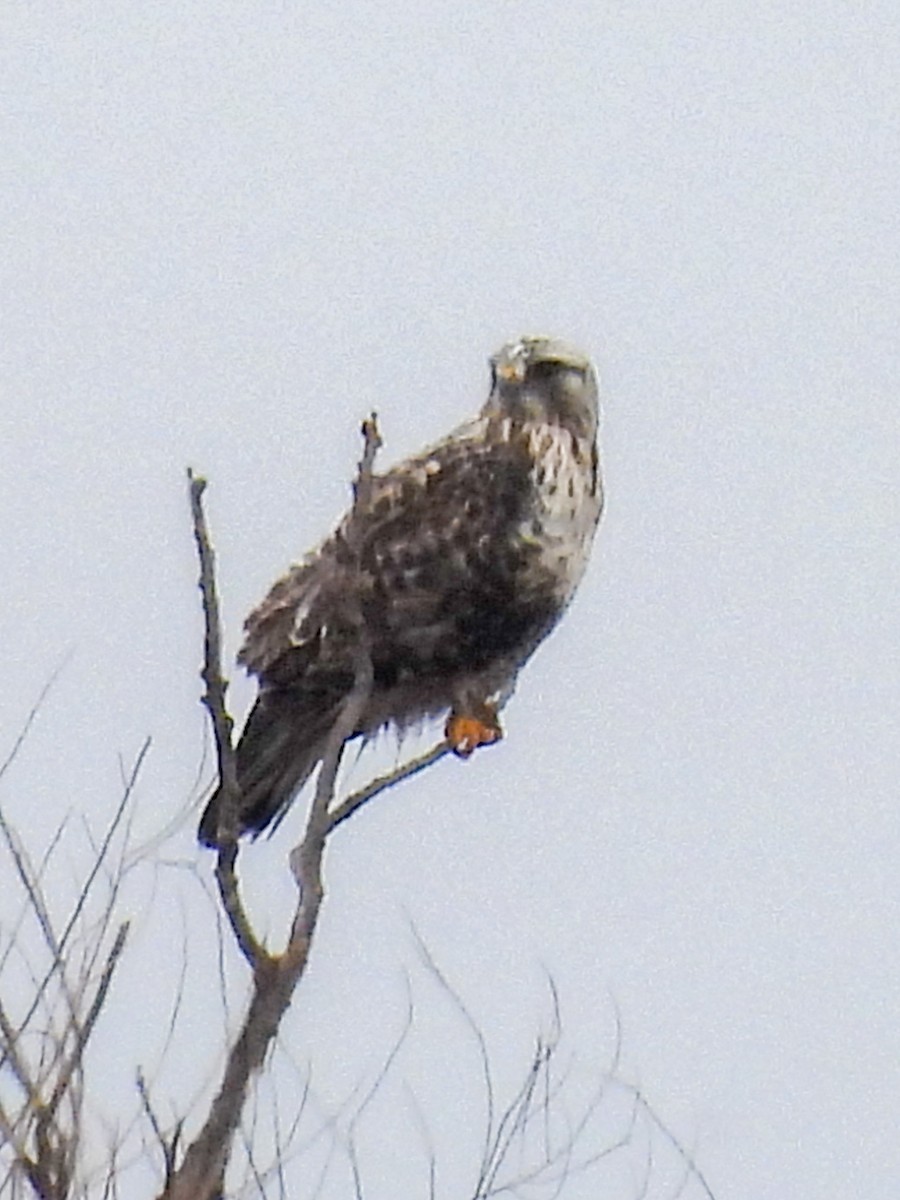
(480, 726)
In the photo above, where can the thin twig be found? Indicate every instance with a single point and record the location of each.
(381, 783)
(691, 1169)
(166, 1146)
(372, 443)
(130, 784)
(32, 716)
(386, 1066)
(202, 1171)
(229, 892)
(10, 1044)
(484, 1057)
(216, 685)
(57, 961)
(306, 859)
(85, 1030)
(36, 899)
(213, 699)
(10, 1138)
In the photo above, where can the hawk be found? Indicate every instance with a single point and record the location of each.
(466, 556)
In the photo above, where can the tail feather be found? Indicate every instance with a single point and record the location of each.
(277, 752)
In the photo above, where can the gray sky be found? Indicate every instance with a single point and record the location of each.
(228, 232)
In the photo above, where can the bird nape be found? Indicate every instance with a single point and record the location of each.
(466, 555)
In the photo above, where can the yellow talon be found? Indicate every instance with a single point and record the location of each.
(466, 733)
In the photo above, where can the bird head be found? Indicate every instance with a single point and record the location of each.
(544, 379)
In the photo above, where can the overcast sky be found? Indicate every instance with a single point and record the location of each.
(230, 230)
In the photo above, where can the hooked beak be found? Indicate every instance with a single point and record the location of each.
(511, 366)
(511, 372)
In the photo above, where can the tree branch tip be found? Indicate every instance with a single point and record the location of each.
(369, 428)
(372, 443)
(198, 483)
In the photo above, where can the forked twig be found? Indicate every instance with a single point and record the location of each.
(201, 1173)
(214, 700)
(85, 1030)
(168, 1146)
(46, 1056)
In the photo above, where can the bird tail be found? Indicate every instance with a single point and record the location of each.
(277, 752)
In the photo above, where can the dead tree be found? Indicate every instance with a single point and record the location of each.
(55, 987)
(200, 1175)
(533, 1143)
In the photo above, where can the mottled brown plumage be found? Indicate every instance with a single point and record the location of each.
(468, 554)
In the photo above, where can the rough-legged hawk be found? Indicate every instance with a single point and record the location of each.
(467, 556)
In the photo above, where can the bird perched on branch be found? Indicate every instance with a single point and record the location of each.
(459, 563)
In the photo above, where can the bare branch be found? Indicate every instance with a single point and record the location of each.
(318, 824)
(10, 1035)
(57, 949)
(484, 1058)
(213, 699)
(45, 1047)
(32, 716)
(548, 1155)
(386, 1066)
(229, 893)
(32, 889)
(166, 1145)
(84, 1031)
(100, 858)
(692, 1171)
(202, 1172)
(381, 783)
(211, 674)
(372, 443)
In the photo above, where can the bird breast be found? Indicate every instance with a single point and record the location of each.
(566, 486)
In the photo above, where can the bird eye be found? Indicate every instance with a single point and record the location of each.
(543, 369)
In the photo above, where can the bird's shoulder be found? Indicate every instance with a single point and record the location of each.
(481, 463)
(464, 488)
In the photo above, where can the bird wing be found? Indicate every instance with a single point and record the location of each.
(446, 578)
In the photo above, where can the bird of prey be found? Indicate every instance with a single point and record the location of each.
(466, 556)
